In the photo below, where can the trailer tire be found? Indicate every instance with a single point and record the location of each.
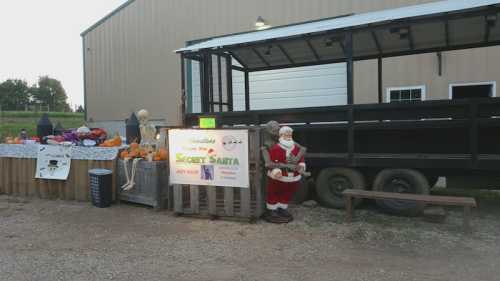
(331, 182)
(302, 193)
(432, 180)
(402, 181)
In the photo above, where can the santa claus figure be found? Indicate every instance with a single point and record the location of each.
(284, 174)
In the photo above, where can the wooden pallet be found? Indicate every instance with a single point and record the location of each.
(225, 202)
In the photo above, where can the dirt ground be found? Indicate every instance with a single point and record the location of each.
(55, 240)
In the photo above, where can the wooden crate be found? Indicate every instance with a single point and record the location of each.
(225, 202)
(151, 182)
(17, 178)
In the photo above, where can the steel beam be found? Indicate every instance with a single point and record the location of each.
(262, 59)
(229, 80)
(377, 43)
(238, 59)
(285, 53)
(247, 91)
(313, 50)
(380, 81)
(219, 80)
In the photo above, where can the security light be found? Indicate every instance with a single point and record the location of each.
(261, 24)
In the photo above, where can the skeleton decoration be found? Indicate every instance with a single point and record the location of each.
(148, 141)
(148, 131)
(130, 178)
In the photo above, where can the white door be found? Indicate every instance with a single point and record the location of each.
(311, 86)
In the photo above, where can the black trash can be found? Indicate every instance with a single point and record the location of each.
(101, 181)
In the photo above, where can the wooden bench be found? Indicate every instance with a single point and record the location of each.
(466, 202)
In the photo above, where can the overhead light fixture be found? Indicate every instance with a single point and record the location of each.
(261, 24)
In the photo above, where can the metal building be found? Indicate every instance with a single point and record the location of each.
(129, 61)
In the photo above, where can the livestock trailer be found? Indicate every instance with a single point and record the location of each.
(396, 147)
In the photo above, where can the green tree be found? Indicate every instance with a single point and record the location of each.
(51, 92)
(80, 109)
(14, 94)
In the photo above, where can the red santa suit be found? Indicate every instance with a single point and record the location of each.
(280, 190)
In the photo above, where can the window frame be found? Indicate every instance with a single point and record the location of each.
(422, 88)
(492, 83)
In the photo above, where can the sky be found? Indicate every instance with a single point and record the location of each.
(42, 37)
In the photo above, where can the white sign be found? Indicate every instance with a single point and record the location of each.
(53, 162)
(209, 157)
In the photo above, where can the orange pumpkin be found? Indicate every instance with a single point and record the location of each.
(163, 154)
(156, 158)
(134, 146)
(124, 154)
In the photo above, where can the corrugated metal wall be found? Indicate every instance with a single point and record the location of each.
(130, 64)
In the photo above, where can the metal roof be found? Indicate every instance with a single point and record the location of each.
(353, 21)
(433, 27)
(105, 18)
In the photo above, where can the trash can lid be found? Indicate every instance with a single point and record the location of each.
(100, 172)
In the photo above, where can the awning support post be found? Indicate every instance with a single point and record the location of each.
(247, 91)
(229, 80)
(350, 68)
(219, 80)
(183, 89)
(205, 82)
(380, 80)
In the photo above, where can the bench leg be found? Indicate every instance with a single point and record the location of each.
(467, 227)
(348, 206)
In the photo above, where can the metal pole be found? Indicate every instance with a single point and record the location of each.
(350, 68)
(210, 82)
(247, 91)
(219, 78)
(380, 81)
(183, 89)
(350, 96)
(229, 79)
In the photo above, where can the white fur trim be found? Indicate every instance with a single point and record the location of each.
(272, 206)
(283, 206)
(275, 172)
(284, 179)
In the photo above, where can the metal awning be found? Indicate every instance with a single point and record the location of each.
(433, 27)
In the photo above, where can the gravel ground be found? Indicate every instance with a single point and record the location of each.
(55, 240)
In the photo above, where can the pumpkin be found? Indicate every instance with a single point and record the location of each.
(143, 153)
(156, 158)
(124, 154)
(134, 146)
(163, 154)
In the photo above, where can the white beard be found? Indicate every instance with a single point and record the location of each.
(287, 144)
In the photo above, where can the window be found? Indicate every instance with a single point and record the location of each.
(472, 90)
(406, 94)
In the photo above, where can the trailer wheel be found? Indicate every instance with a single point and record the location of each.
(331, 182)
(302, 193)
(432, 180)
(401, 181)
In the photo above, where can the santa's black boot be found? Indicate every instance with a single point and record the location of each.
(285, 214)
(273, 216)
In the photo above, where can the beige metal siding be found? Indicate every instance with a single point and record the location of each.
(130, 62)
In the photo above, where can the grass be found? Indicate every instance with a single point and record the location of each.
(11, 122)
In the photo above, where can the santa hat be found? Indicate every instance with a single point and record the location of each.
(285, 129)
